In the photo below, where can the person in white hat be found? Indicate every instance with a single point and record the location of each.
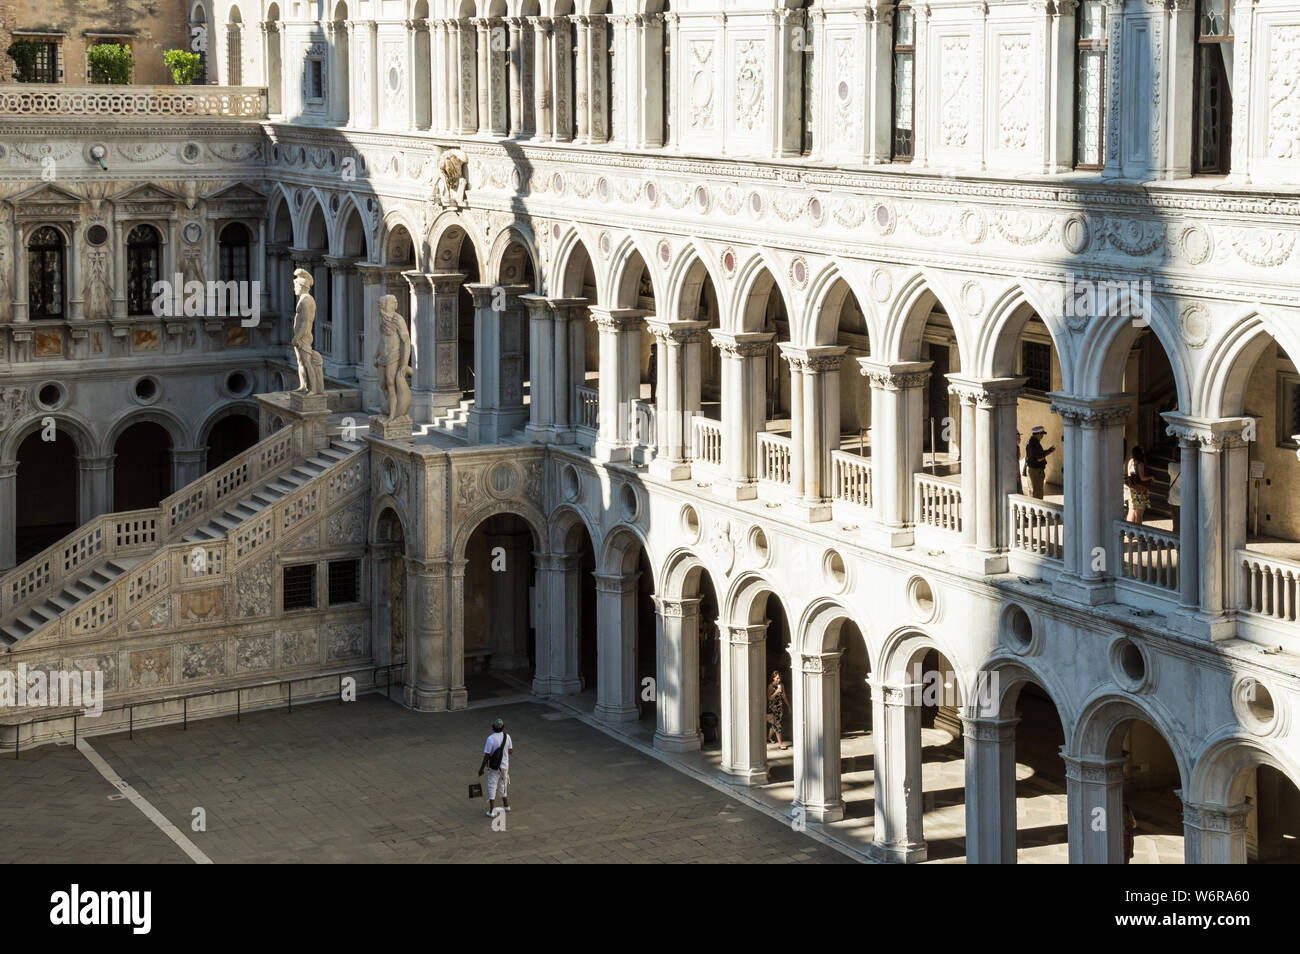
(1036, 461)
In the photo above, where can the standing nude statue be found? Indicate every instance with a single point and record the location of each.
(394, 360)
(311, 376)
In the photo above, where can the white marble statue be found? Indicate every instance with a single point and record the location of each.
(394, 360)
(311, 375)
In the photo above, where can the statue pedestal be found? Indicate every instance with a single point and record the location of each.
(309, 403)
(398, 430)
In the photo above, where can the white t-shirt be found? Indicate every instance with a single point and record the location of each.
(493, 742)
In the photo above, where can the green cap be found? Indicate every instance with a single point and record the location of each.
(498, 725)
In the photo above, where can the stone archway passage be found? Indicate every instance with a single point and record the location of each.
(498, 618)
(230, 437)
(142, 468)
(46, 493)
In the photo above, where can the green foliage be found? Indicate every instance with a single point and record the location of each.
(185, 66)
(110, 63)
(24, 53)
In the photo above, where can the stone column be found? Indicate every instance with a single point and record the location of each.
(988, 465)
(620, 379)
(498, 64)
(562, 60)
(426, 654)
(1095, 792)
(467, 65)
(8, 516)
(677, 679)
(679, 346)
(744, 726)
(817, 739)
(447, 392)
(559, 581)
(94, 487)
(542, 57)
(990, 749)
(816, 371)
(187, 466)
(484, 78)
(896, 729)
(543, 368)
(744, 393)
(1214, 835)
(581, 108)
(1094, 471)
(372, 289)
(423, 346)
(457, 694)
(897, 392)
(616, 637)
(516, 55)
(452, 66)
(498, 359)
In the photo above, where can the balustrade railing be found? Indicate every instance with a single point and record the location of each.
(1147, 555)
(1270, 586)
(937, 502)
(588, 408)
(643, 423)
(706, 441)
(141, 531)
(116, 102)
(775, 458)
(1037, 527)
(852, 483)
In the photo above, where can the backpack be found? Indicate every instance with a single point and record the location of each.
(494, 760)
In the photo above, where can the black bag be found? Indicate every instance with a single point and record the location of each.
(494, 760)
(476, 790)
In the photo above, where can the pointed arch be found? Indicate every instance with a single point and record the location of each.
(994, 354)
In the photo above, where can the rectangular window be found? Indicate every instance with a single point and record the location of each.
(316, 79)
(96, 75)
(1036, 366)
(345, 582)
(300, 586)
(40, 64)
(1090, 87)
(1288, 409)
(904, 85)
(808, 106)
(234, 54)
(1212, 106)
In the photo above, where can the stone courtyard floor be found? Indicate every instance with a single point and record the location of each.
(371, 781)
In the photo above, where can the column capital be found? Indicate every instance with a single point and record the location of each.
(8, 470)
(1096, 770)
(617, 319)
(678, 607)
(96, 463)
(1214, 433)
(989, 730)
(744, 344)
(986, 392)
(897, 693)
(615, 583)
(820, 664)
(747, 635)
(1216, 818)
(418, 280)
(557, 561)
(816, 360)
(446, 282)
(678, 332)
(1091, 412)
(897, 375)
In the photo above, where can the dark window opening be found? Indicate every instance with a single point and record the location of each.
(903, 141)
(345, 581)
(1036, 366)
(45, 274)
(1212, 106)
(300, 586)
(143, 268)
(234, 253)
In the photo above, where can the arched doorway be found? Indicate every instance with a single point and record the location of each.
(388, 568)
(499, 633)
(142, 466)
(626, 631)
(46, 492)
(230, 437)
(274, 58)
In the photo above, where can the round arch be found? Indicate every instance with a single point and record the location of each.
(624, 277)
(468, 524)
(908, 313)
(1094, 735)
(169, 422)
(1100, 365)
(446, 238)
(999, 336)
(513, 255)
(1220, 389)
(571, 257)
(80, 431)
(827, 293)
(755, 281)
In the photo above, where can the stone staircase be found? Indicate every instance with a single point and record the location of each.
(455, 422)
(117, 561)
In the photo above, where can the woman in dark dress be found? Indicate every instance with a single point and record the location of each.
(777, 703)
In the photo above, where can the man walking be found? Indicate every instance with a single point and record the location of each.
(1036, 461)
(496, 760)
